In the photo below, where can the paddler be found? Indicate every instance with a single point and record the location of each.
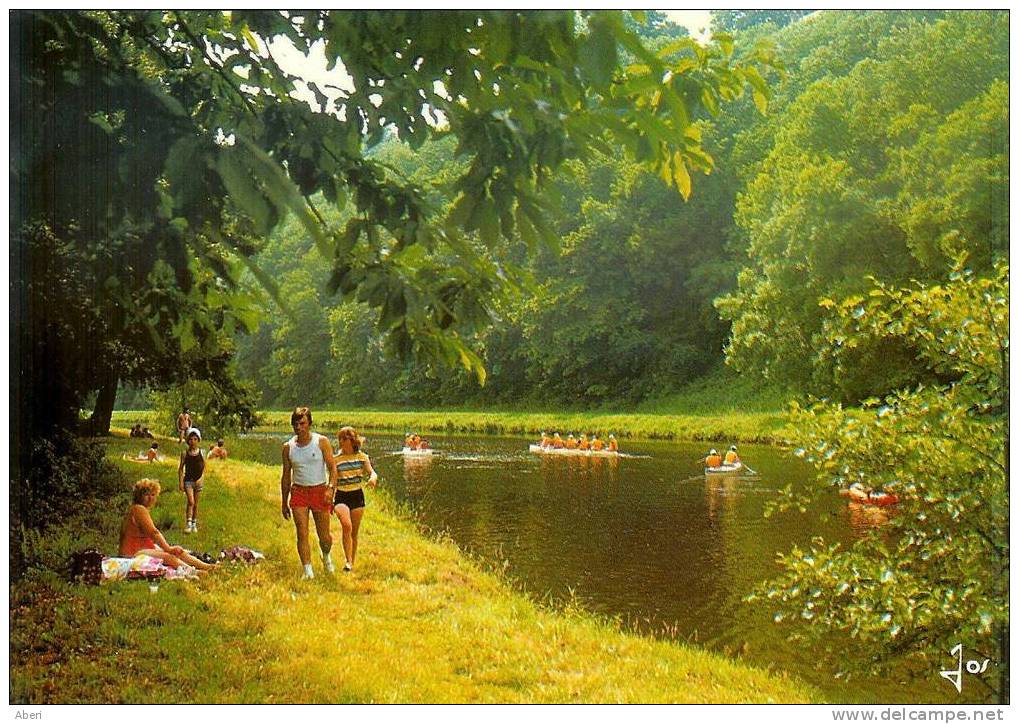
(557, 442)
(583, 444)
(546, 441)
(571, 442)
(731, 458)
(613, 445)
(712, 459)
(596, 443)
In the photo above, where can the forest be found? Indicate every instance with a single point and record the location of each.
(883, 154)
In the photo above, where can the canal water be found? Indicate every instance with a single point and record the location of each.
(647, 539)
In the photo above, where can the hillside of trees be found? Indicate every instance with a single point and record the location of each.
(883, 153)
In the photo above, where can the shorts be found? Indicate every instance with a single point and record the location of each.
(353, 499)
(309, 496)
(192, 484)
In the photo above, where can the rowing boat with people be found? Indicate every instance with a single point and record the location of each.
(731, 469)
(574, 452)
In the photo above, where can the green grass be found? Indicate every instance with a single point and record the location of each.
(722, 405)
(417, 622)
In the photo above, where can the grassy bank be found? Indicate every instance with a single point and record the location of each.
(760, 427)
(416, 622)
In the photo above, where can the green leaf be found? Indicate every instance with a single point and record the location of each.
(681, 176)
(242, 189)
(252, 41)
(597, 54)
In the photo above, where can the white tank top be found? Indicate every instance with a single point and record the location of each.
(309, 466)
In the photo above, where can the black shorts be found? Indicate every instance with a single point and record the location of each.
(353, 499)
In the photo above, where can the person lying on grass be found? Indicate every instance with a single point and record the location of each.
(146, 456)
(139, 534)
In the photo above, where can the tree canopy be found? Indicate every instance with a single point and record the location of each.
(196, 147)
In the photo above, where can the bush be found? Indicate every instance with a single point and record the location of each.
(66, 476)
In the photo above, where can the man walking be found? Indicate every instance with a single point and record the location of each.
(309, 476)
(183, 423)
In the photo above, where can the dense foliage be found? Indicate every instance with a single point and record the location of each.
(155, 151)
(884, 153)
(890, 170)
(935, 574)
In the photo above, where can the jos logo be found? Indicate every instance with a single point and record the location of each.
(973, 666)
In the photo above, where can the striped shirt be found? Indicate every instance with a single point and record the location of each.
(350, 471)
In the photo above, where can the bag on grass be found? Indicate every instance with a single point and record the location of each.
(87, 566)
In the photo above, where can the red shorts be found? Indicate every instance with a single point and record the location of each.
(315, 497)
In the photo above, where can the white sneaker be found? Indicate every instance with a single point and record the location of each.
(328, 563)
(194, 526)
(187, 527)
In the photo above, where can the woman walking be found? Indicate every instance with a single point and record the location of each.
(352, 467)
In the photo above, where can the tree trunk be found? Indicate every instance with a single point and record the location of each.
(99, 422)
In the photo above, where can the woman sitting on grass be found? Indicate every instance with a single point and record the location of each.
(139, 534)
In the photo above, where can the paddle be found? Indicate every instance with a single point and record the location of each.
(750, 469)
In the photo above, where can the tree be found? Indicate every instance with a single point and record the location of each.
(869, 175)
(936, 575)
(194, 148)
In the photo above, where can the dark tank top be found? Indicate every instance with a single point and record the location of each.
(194, 466)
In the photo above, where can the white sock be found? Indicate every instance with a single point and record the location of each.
(307, 571)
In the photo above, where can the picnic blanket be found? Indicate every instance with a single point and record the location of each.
(143, 566)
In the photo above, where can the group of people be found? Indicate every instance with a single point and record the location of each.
(315, 485)
(713, 459)
(139, 431)
(583, 442)
(413, 441)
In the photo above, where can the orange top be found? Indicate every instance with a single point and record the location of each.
(137, 531)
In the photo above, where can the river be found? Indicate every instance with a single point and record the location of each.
(647, 540)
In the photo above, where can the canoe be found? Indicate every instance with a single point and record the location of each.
(412, 453)
(733, 469)
(573, 453)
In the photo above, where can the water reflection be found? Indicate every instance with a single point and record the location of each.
(647, 539)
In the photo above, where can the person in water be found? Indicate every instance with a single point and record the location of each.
(731, 458)
(191, 478)
(352, 467)
(712, 459)
(306, 485)
(139, 535)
